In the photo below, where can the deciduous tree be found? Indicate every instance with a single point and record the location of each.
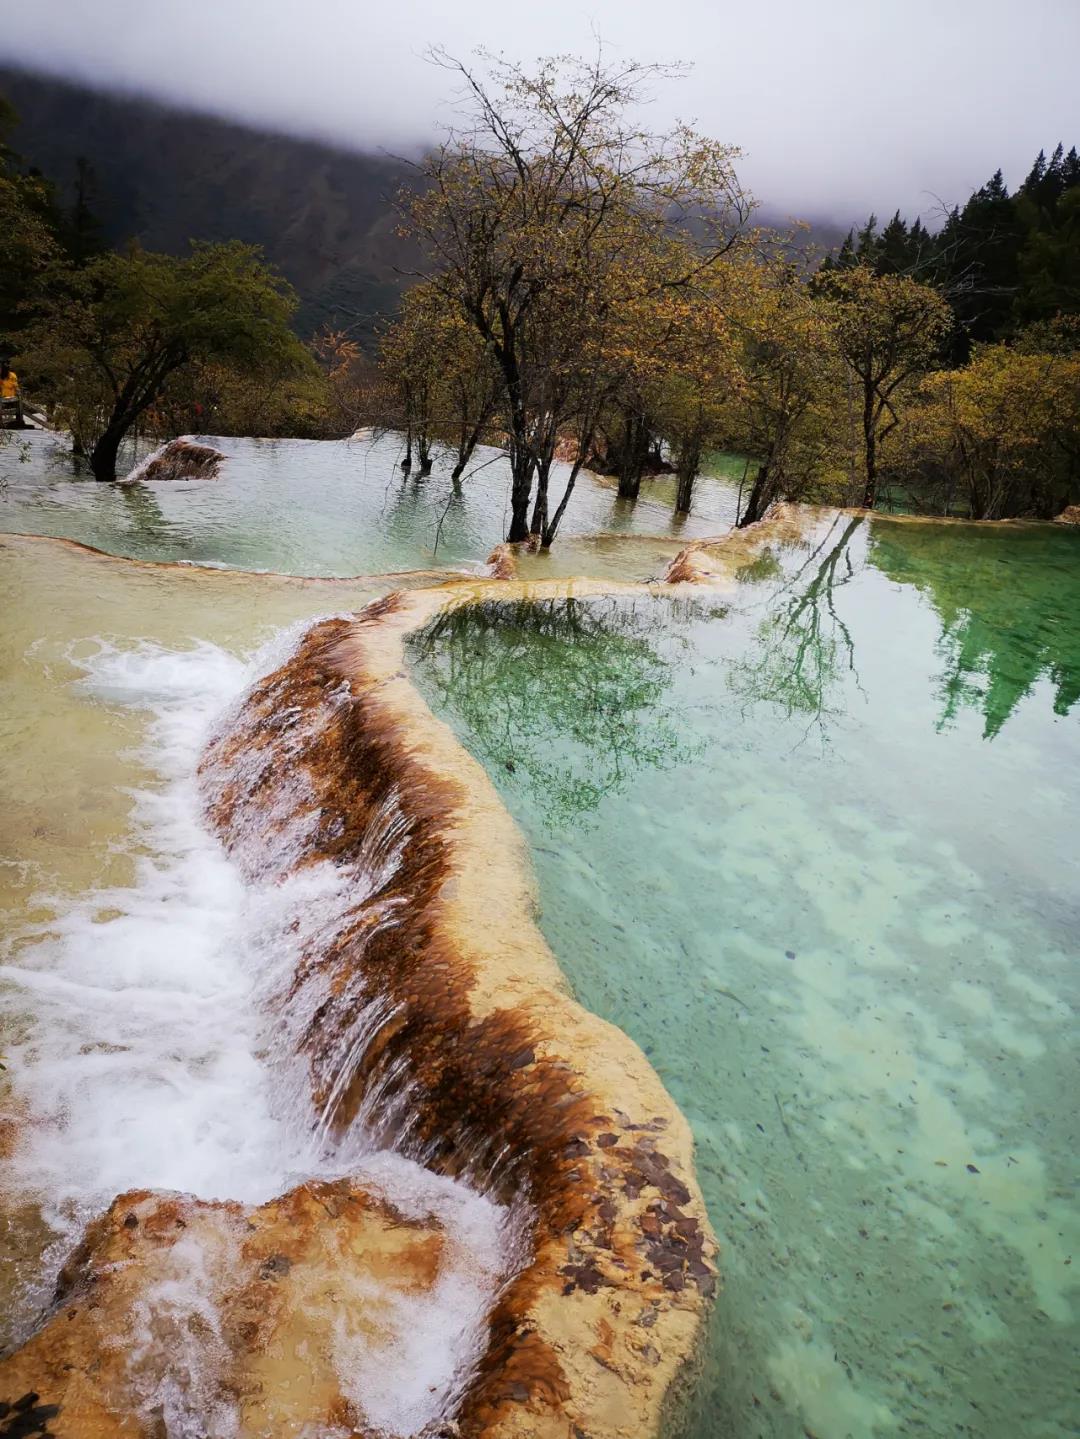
(112, 334)
(542, 215)
(889, 330)
(998, 438)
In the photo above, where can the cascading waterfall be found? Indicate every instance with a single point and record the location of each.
(186, 1035)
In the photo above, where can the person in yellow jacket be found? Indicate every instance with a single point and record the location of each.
(10, 399)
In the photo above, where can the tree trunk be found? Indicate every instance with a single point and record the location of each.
(423, 448)
(540, 507)
(103, 456)
(466, 445)
(520, 491)
(547, 536)
(686, 472)
(870, 447)
(758, 502)
(633, 453)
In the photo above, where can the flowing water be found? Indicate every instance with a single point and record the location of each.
(813, 843)
(321, 507)
(141, 975)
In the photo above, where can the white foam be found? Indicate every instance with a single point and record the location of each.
(156, 1052)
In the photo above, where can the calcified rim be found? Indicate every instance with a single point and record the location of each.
(486, 1067)
(505, 1077)
(599, 1334)
(714, 560)
(195, 567)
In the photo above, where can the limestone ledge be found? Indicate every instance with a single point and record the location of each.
(715, 560)
(177, 1315)
(488, 1070)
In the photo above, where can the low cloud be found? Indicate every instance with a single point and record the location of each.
(840, 106)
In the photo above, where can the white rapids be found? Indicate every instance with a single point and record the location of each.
(148, 1052)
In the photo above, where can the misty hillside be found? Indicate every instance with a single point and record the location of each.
(164, 177)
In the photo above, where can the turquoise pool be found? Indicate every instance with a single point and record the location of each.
(813, 843)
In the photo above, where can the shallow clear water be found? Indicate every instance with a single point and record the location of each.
(310, 507)
(812, 842)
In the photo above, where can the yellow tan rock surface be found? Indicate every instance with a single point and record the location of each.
(509, 1082)
(487, 1070)
(230, 1315)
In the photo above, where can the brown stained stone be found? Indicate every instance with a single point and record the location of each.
(716, 561)
(486, 1069)
(502, 562)
(263, 1295)
(509, 1083)
(179, 460)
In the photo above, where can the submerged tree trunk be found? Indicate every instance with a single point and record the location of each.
(103, 456)
(406, 464)
(540, 508)
(522, 465)
(760, 498)
(423, 450)
(633, 455)
(547, 535)
(466, 445)
(549, 531)
(686, 473)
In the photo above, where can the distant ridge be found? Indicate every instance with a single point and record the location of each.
(164, 176)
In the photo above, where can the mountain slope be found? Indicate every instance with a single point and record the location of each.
(163, 177)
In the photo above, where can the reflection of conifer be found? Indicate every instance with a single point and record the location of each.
(1000, 611)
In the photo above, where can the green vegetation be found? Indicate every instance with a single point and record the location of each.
(1000, 613)
(1003, 261)
(110, 335)
(110, 339)
(583, 669)
(595, 294)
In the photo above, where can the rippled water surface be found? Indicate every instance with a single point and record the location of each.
(813, 843)
(321, 507)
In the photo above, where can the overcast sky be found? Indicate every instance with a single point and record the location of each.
(839, 105)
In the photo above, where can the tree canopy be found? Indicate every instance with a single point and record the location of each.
(111, 335)
(1003, 260)
(547, 216)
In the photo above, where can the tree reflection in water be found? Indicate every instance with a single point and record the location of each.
(569, 697)
(1000, 596)
(803, 646)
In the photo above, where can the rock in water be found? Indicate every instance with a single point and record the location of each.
(1070, 515)
(178, 460)
(180, 1316)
